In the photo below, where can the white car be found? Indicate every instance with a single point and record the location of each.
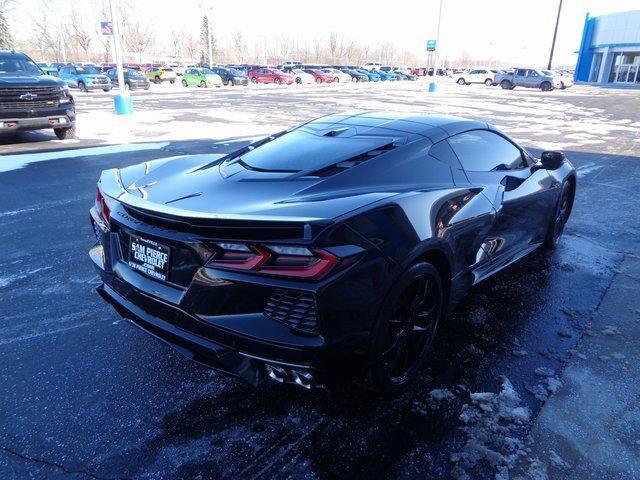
(301, 76)
(338, 76)
(476, 75)
(566, 81)
(371, 66)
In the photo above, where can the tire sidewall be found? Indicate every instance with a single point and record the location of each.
(550, 241)
(377, 374)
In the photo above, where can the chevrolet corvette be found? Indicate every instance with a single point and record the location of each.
(329, 252)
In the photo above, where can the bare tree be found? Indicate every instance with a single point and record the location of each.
(177, 40)
(80, 31)
(139, 37)
(190, 47)
(317, 49)
(239, 45)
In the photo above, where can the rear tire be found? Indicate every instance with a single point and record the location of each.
(254, 80)
(184, 83)
(406, 328)
(172, 82)
(560, 217)
(157, 79)
(506, 85)
(488, 82)
(461, 81)
(298, 80)
(546, 86)
(82, 87)
(318, 80)
(336, 79)
(65, 133)
(203, 84)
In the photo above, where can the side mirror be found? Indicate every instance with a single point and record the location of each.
(552, 160)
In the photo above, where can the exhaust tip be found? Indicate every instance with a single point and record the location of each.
(277, 374)
(303, 379)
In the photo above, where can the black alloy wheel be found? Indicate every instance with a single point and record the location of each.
(406, 329)
(560, 217)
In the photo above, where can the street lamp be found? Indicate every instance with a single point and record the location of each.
(433, 85)
(122, 101)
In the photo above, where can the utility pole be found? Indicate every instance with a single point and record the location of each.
(433, 85)
(555, 33)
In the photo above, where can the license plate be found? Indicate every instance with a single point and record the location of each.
(149, 257)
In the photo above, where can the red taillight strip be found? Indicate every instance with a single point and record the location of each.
(326, 261)
(251, 262)
(101, 206)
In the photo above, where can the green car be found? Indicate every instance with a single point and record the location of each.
(202, 77)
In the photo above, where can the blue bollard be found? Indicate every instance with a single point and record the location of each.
(123, 104)
(433, 86)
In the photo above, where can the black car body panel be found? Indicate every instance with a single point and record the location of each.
(134, 79)
(371, 192)
(31, 100)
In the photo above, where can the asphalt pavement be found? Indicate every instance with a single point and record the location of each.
(85, 394)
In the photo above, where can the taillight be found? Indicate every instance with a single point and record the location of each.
(280, 260)
(101, 206)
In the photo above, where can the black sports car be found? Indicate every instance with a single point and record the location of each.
(330, 251)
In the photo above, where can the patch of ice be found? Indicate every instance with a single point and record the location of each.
(610, 330)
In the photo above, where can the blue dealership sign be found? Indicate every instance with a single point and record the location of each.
(431, 45)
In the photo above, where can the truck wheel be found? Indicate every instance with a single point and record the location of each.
(461, 81)
(506, 85)
(546, 86)
(65, 133)
(488, 82)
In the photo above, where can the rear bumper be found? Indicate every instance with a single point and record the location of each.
(245, 324)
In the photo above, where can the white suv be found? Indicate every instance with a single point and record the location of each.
(476, 75)
(371, 66)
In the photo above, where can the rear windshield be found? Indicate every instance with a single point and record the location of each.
(299, 151)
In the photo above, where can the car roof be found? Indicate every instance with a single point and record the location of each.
(434, 127)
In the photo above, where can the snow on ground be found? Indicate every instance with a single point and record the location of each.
(170, 112)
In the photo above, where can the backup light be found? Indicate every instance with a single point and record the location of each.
(236, 247)
(285, 250)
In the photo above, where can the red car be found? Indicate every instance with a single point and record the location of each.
(270, 75)
(320, 76)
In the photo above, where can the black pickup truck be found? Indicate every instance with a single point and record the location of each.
(32, 100)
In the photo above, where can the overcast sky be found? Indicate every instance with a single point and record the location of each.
(511, 31)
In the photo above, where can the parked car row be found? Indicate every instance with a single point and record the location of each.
(545, 80)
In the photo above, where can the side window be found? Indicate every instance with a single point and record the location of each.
(473, 72)
(533, 73)
(485, 151)
(521, 72)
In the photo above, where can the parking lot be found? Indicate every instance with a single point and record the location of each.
(87, 395)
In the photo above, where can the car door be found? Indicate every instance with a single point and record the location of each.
(520, 77)
(522, 197)
(473, 76)
(533, 79)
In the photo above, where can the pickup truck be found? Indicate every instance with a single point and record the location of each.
(527, 77)
(32, 100)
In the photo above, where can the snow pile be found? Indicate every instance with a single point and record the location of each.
(549, 385)
(438, 397)
(492, 420)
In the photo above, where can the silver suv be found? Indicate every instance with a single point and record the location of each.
(527, 77)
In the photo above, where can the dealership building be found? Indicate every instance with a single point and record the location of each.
(610, 50)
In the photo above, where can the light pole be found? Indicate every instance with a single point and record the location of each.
(433, 85)
(122, 101)
(555, 34)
